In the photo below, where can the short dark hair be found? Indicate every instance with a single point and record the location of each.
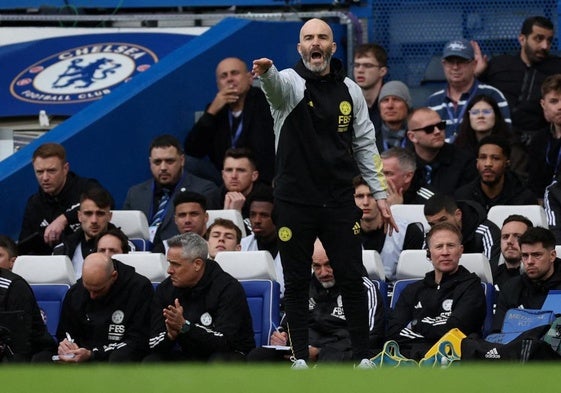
(100, 196)
(241, 152)
(165, 140)
(443, 226)
(495, 140)
(529, 23)
(551, 83)
(190, 197)
(50, 149)
(538, 235)
(378, 51)
(518, 218)
(359, 181)
(263, 193)
(228, 224)
(119, 234)
(10, 246)
(437, 202)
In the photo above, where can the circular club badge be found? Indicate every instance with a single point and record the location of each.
(81, 74)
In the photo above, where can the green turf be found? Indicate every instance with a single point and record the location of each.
(278, 378)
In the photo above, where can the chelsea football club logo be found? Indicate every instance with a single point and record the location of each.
(81, 74)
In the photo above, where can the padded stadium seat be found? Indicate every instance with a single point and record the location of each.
(49, 298)
(479, 264)
(150, 265)
(534, 213)
(412, 264)
(263, 300)
(248, 265)
(488, 290)
(45, 269)
(398, 287)
(375, 269)
(230, 214)
(373, 264)
(411, 213)
(133, 223)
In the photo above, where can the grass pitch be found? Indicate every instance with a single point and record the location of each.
(483, 377)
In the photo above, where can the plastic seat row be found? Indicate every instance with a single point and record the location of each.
(497, 214)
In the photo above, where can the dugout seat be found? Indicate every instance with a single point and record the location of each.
(45, 269)
(134, 224)
(230, 214)
(49, 299)
(263, 300)
(248, 265)
(534, 213)
(151, 265)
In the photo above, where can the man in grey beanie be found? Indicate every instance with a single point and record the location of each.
(395, 104)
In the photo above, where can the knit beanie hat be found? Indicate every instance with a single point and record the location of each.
(396, 89)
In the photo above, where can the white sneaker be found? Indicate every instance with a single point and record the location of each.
(299, 364)
(365, 364)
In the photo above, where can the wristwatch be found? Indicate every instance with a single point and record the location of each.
(186, 327)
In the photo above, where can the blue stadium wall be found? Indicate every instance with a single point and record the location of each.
(109, 139)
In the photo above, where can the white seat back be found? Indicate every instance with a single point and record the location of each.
(373, 263)
(479, 264)
(230, 214)
(412, 264)
(248, 265)
(534, 213)
(133, 223)
(411, 213)
(45, 269)
(151, 265)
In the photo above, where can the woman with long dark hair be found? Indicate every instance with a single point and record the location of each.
(482, 118)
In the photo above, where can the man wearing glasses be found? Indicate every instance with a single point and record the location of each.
(94, 215)
(369, 68)
(440, 165)
(459, 64)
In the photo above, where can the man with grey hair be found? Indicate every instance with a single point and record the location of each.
(395, 103)
(200, 312)
(399, 167)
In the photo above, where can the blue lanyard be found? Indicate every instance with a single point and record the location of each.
(387, 147)
(238, 133)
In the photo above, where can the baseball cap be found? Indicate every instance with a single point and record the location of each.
(396, 89)
(459, 48)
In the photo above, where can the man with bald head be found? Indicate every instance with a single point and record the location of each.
(441, 166)
(238, 116)
(324, 139)
(106, 314)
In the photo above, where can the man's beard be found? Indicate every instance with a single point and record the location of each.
(319, 68)
(328, 284)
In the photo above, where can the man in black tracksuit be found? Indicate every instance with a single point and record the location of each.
(542, 273)
(200, 312)
(324, 138)
(53, 210)
(328, 332)
(106, 314)
(28, 336)
(448, 297)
